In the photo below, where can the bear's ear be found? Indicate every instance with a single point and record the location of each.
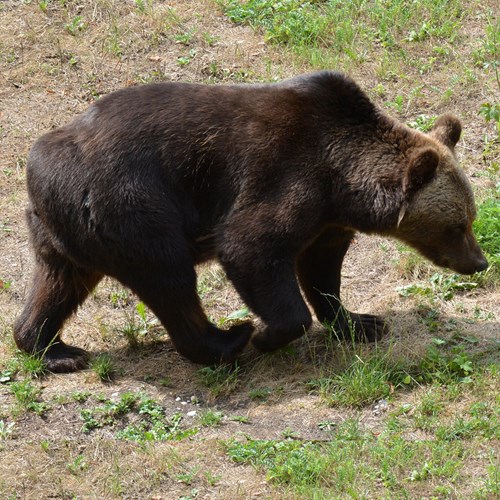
(447, 130)
(421, 170)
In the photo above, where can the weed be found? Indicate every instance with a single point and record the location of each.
(119, 297)
(4, 284)
(32, 364)
(439, 286)
(108, 413)
(185, 38)
(424, 123)
(260, 394)
(220, 380)
(210, 418)
(43, 5)
(113, 43)
(45, 445)
(6, 429)
(137, 326)
(103, 366)
(235, 316)
(27, 396)
(188, 477)
(78, 465)
(240, 418)
(445, 366)
(75, 25)
(153, 425)
(156, 427)
(362, 383)
(212, 479)
(209, 39)
(185, 60)
(397, 104)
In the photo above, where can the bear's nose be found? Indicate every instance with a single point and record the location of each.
(482, 265)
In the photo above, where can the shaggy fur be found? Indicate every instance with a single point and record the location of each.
(272, 180)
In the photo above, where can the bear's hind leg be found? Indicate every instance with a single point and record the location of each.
(170, 292)
(58, 289)
(319, 270)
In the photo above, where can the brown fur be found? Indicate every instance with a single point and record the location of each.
(273, 180)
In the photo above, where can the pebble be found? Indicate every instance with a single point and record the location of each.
(380, 407)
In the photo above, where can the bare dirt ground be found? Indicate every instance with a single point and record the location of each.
(49, 72)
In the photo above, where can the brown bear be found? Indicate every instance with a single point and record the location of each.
(272, 180)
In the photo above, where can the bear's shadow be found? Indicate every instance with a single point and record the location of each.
(317, 353)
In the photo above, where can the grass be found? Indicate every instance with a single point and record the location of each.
(347, 31)
(150, 420)
(220, 380)
(210, 418)
(487, 230)
(27, 397)
(362, 383)
(355, 462)
(103, 367)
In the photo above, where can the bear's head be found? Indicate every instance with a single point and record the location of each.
(438, 209)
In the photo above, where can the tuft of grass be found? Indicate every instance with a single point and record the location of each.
(362, 383)
(210, 418)
(78, 465)
(220, 380)
(260, 394)
(27, 397)
(6, 430)
(424, 123)
(32, 365)
(487, 231)
(439, 286)
(103, 367)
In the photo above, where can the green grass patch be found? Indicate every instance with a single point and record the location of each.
(103, 367)
(487, 231)
(220, 380)
(28, 397)
(362, 383)
(136, 418)
(356, 463)
(321, 30)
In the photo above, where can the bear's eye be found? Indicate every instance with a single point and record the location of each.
(458, 229)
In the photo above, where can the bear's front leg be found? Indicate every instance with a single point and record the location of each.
(271, 290)
(319, 270)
